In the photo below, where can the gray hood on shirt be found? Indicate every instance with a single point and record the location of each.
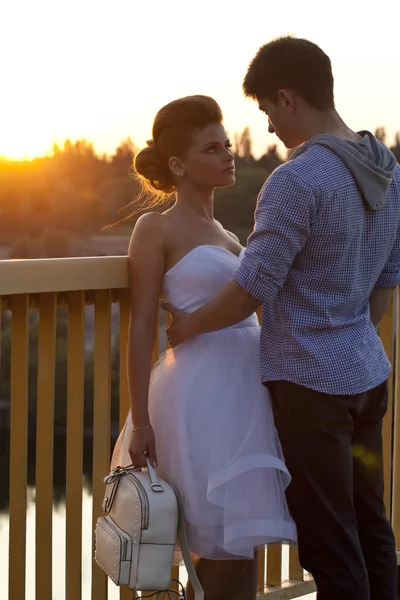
(369, 161)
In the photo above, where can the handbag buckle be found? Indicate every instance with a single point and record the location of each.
(156, 487)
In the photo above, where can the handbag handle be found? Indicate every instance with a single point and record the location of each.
(194, 580)
(154, 482)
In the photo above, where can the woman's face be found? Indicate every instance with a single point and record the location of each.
(209, 162)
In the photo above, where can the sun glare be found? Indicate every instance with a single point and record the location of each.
(21, 147)
(29, 127)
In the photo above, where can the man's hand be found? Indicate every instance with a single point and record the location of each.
(179, 331)
(230, 306)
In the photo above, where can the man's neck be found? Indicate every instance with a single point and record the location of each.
(329, 122)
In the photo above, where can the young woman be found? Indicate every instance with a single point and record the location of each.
(201, 415)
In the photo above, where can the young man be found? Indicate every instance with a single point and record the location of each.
(323, 260)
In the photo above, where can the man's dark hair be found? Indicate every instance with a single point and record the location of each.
(291, 63)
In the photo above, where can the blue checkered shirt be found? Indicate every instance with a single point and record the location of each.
(313, 259)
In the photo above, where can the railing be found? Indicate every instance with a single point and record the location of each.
(41, 287)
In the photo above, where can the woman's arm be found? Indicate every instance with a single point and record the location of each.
(146, 266)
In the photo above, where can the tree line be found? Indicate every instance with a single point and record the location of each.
(51, 202)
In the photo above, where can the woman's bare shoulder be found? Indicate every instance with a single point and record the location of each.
(149, 227)
(233, 236)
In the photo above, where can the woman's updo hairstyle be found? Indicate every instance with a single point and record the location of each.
(173, 128)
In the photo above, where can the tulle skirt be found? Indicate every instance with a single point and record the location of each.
(217, 445)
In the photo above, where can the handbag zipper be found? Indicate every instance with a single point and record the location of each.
(143, 499)
(124, 541)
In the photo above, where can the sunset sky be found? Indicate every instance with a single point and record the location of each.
(101, 69)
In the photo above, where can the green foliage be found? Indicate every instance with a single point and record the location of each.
(50, 202)
(235, 206)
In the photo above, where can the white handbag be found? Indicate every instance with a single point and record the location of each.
(135, 541)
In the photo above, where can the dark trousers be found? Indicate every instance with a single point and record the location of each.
(333, 450)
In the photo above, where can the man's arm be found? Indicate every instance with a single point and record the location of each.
(230, 306)
(379, 303)
(285, 210)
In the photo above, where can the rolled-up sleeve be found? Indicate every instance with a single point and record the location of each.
(390, 276)
(285, 211)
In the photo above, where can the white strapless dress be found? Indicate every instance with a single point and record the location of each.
(215, 436)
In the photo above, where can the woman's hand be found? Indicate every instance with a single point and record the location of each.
(143, 445)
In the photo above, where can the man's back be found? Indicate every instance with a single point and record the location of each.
(317, 330)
